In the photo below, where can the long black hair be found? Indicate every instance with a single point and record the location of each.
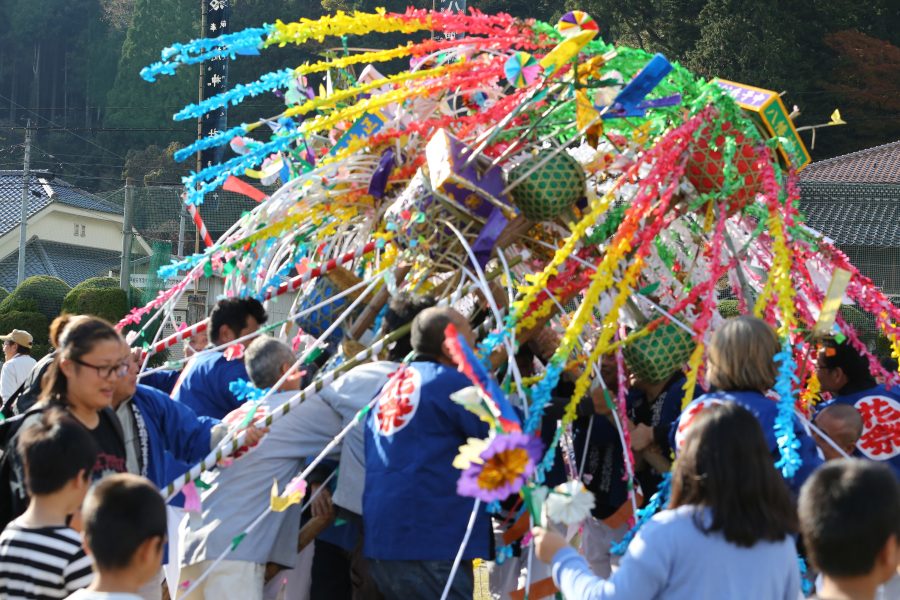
(726, 466)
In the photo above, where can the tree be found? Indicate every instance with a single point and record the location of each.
(118, 13)
(155, 166)
(865, 84)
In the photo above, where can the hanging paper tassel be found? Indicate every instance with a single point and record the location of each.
(657, 502)
(788, 444)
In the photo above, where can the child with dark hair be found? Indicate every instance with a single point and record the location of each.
(40, 556)
(850, 522)
(124, 532)
(726, 533)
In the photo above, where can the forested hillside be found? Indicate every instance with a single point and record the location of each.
(71, 66)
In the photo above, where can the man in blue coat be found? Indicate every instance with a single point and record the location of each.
(845, 373)
(414, 521)
(153, 425)
(204, 385)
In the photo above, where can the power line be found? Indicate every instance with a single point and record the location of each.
(11, 101)
(92, 129)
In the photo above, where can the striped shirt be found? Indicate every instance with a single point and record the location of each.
(41, 563)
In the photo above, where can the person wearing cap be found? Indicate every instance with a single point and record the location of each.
(18, 362)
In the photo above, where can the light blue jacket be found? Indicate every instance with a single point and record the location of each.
(672, 558)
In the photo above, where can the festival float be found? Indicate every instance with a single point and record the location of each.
(598, 199)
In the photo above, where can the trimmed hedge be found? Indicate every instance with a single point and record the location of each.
(729, 308)
(48, 294)
(3, 293)
(107, 303)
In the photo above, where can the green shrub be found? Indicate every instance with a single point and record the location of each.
(104, 302)
(96, 283)
(34, 323)
(3, 293)
(728, 308)
(47, 293)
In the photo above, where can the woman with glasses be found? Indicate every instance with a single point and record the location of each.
(91, 357)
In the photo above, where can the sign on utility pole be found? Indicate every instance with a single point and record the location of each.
(26, 196)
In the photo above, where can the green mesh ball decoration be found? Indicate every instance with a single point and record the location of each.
(657, 356)
(551, 189)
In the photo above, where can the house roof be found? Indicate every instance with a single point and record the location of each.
(853, 214)
(72, 264)
(44, 191)
(880, 164)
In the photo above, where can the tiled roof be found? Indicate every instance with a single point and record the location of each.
(60, 191)
(853, 214)
(880, 164)
(72, 264)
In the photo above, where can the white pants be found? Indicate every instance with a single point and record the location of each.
(511, 575)
(595, 546)
(229, 579)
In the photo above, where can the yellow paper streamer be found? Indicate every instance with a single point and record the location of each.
(341, 95)
(811, 395)
(341, 23)
(690, 384)
(608, 328)
(538, 282)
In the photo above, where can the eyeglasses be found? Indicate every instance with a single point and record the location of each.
(119, 370)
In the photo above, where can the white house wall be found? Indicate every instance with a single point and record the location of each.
(69, 225)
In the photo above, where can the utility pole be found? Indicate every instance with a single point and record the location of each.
(26, 196)
(128, 218)
(181, 229)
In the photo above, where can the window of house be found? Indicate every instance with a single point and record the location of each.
(76, 230)
(82, 231)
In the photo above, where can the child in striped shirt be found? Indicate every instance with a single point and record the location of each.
(40, 556)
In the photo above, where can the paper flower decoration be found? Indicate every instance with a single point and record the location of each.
(501, 469)
(470, 453)
(569, 503)
(470, 399)
(522, 69)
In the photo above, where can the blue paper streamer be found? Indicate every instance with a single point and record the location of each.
(237, 94)
(244, 391)
(211, 178)
(785, 435)
(196, 51)
(805, 584)
(212, 141)
(657, 501)
(541, 396)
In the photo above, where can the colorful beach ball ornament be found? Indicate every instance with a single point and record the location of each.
(522, 69)
(574, 22)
